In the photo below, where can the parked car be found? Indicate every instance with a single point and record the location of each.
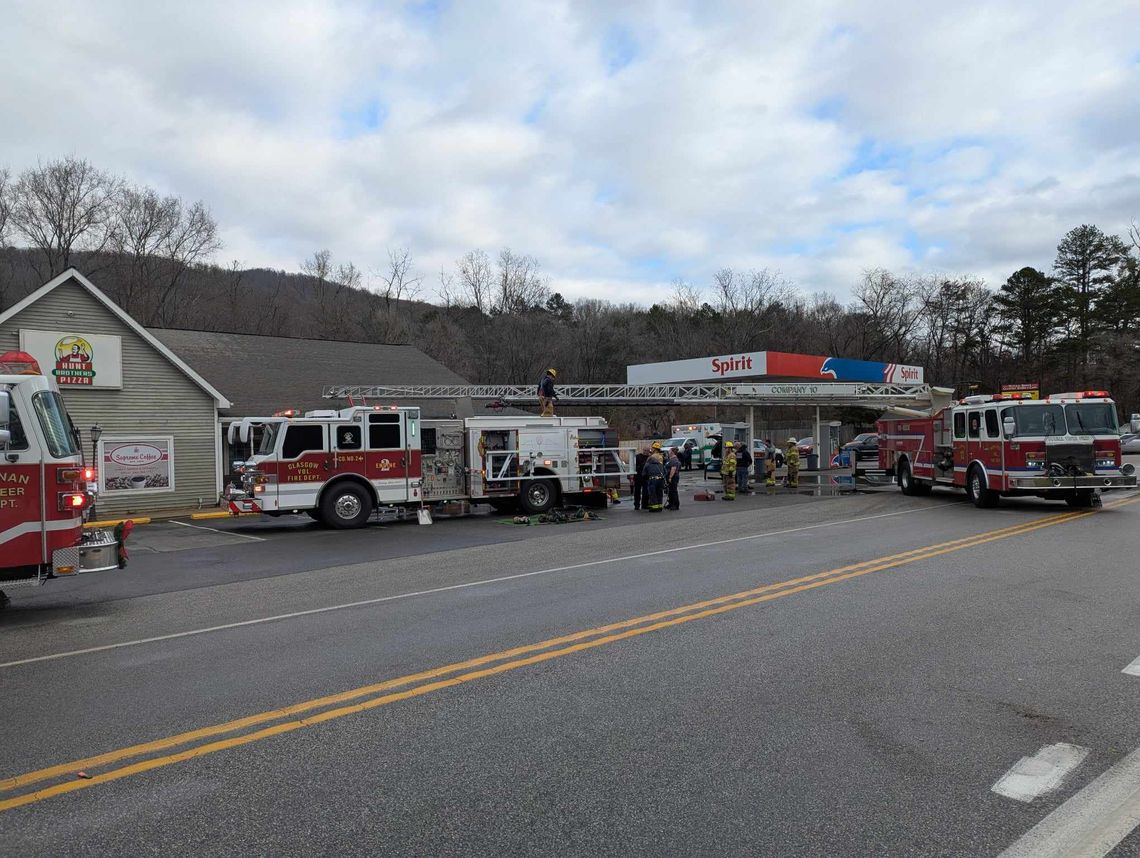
(806, 446)
(1130, 443)
(865, 442)
(761, 448)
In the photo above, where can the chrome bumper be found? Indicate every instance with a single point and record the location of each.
(97, 552)
(1094, 481)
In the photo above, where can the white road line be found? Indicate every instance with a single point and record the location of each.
(1032, 777)
(451, 587)
(215, 530)
(1133, 669)
(1091, 823)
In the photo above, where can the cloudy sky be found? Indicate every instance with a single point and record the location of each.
(622, 144)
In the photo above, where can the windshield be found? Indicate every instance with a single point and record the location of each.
(268, 439)
(1091, 418)
(1038, 419)
(55, 424)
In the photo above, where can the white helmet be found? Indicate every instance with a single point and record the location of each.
(792, 441)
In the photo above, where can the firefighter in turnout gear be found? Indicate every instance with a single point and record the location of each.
(728, 471)
(546, 394)
(770, 464)
(655, 478)
(792, 460)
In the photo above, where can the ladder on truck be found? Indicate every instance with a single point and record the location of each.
(864, 394)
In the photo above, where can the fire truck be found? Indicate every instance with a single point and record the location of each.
(1064, 447)
(43, 485)
(343, 467)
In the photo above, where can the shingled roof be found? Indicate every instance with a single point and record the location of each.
(261, 375)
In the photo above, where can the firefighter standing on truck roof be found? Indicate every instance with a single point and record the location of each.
(792, 460)
(546, 394)
(728, 471)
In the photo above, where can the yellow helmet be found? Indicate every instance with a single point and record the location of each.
(656, 445)
(729, 444)
(552, 372)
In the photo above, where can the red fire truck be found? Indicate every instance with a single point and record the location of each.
(1064, 447)
(43, 485)
(342, 466)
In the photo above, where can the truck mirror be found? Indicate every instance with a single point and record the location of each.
(1010, 426)
(5, 405)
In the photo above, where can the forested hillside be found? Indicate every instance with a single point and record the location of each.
(497, 317)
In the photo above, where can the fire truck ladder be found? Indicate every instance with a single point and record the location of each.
(864, 394)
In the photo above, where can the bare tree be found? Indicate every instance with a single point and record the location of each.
(5, 204)
(476, 280)
(520, 286)
(333, 290)
(62, 207)
(156, 241)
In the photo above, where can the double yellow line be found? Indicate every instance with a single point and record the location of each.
(331, 707)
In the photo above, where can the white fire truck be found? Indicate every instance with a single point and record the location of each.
(43, 485)
(1064, 447)
(342, 467)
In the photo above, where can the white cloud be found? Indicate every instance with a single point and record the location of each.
(820, 138)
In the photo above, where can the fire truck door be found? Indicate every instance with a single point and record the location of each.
(388, 455)
(23, 519)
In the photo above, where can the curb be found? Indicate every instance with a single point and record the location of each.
(113, 522)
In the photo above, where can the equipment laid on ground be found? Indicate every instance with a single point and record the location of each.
(341, 467)
(1064, 447)
(44, 485)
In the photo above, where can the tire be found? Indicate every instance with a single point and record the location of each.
(539, 496)
(1081, 499)
(346, 506)
(314, 514)
(906, 480)
(980, 496)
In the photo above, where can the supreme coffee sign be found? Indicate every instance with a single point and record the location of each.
(76, 359)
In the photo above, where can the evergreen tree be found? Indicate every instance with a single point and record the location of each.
(1085, 265)
(1028, 306)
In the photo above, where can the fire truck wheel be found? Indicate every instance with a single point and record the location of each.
(345, 506)
(982, 497)
(314, 514)
(539, 497)
(906, 480)
(4, 600)
(1080, 499)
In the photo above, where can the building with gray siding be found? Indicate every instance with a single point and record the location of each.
(158, 418)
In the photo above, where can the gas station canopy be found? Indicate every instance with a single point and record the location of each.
(773, 365)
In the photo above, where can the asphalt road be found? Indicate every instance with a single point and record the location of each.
(792, 675)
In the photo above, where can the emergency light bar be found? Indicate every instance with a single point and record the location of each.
(18, 363)
(1081, 394)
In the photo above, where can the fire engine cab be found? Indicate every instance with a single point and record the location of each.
(1064, 447)
(43, 484)
(342, 466)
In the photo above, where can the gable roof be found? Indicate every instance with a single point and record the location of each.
(265, 374)
(135, 327)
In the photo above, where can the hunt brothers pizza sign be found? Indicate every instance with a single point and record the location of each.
(74, 361)
(78, 360)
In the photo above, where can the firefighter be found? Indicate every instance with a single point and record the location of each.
(546, 394)
(655, 478)
(728, 470)
(673, 478)
(792, 460)
(640, 489)
(770, 464)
